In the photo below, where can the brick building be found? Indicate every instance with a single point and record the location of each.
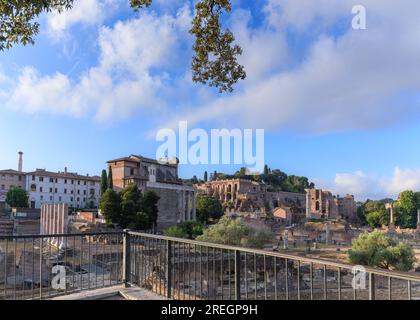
(244, 196)
(177, 200)
(11, 178)
(323, 204)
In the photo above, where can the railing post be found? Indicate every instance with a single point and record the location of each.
(237, 275)
(169, 268)
(371, 286)
(126, 258)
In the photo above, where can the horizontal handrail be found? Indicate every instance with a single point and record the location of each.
(380, 272)
(61, 235)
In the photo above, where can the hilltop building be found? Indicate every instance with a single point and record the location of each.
(247, 196)
(177, 200)
(323, 204)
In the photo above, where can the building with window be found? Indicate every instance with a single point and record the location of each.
(323, 204)
(77, 191)
(11, 178)
(177, 200)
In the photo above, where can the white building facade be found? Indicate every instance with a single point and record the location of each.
(77, 191)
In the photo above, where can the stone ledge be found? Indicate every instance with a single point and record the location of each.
(132, 293)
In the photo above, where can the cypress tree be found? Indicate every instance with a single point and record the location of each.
(110, 182)
(104, 182)
(205, 176)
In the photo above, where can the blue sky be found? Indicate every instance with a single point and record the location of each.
(338, 105)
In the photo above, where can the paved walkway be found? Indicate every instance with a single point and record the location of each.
(118, 292)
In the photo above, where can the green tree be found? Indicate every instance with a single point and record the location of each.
(208, 208)
(377, 219)
(205, 176)
(215, 54)
(406, 209)
(110, 182)
(374, 212)
(110, 206)
(236, 232)
(131, 198)
(378, 250)
(266, 170)
(104, 182)
(150, 207)
(138, 212)
(187, 229)
(17, 198)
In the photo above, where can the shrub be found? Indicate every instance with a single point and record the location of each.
(235, 232)
(208, 208)
(187, 229)
(378, 250)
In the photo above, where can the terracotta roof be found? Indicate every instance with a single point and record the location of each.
(11, 171)
(68, 175)
(137, 158)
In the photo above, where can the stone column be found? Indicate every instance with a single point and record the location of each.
(391, 228)
(327, 233)
(308, 204)
(188, 206)
(418, 219)
(194, 213)
(286, 239)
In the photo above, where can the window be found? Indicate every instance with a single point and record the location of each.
(41, 179)
(56, 190)
(78, 183)
(41, 197)
(59, 199)
(84, 192)
(3, 187)
(56, 180)
(71, 192)
(78, 191)
(71, 199)
(72, 181)
(51, 198)
(65, 181)
(40, 189)
(33, 187)
(65, 191)
(51, 190)
(20, 178)
(33, 178)
(84, 183)
(51, 180)
(131, 172)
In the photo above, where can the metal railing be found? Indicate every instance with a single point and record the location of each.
(36, 267)
(184, 270)
(191, 270)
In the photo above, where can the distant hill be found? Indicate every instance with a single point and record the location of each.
(275, 179)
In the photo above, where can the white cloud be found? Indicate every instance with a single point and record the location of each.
(127, 79)
(353, 80)
(369, 186)
(87, 12)
(349, 81)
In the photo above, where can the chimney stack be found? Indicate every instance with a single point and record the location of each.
(20, 164)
